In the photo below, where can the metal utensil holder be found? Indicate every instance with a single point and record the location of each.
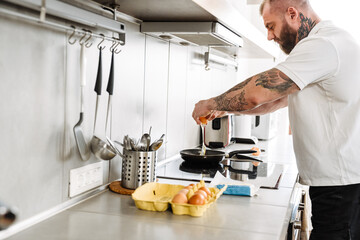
(138, 168)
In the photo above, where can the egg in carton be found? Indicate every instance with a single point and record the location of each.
(158, 196)
(196, 208)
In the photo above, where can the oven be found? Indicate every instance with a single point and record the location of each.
(297, 204)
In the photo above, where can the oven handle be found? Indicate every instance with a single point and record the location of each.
(298, 205)
(295, 223)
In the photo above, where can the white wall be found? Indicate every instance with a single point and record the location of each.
(342, 13)
(156, 84)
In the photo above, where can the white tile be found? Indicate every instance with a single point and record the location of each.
(156, 86)
(176, 99)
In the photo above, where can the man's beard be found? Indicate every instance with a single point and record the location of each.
(287, 40)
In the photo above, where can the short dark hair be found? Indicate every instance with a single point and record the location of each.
(283, 5)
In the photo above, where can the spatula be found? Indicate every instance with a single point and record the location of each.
(78, 132)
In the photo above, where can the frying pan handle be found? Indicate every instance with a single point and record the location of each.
(239, 156)
(241, 152)
(110, 86)
(98, 82)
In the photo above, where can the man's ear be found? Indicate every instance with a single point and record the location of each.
(292, 13)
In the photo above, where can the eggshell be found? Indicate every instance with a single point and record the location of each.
(179, 198)
(184, 191)
(205, 189)
(202, 193)
(197, 199)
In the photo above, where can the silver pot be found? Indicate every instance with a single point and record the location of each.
(242, 171)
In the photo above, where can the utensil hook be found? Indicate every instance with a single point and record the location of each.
(82, 41)
(71, 35)
(102, 40)
(87, 43)
(114, 46)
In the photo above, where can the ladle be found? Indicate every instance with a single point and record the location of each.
(113, 146)
(99, 147)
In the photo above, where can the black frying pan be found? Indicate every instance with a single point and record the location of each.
(213, 156)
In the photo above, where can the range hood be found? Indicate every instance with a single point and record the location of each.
(210, 34)
(230, 14)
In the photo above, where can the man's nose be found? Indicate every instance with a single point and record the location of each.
(270, 35)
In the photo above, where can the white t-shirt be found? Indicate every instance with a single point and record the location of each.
(325, 113)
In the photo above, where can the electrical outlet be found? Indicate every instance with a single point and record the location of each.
(85, 178)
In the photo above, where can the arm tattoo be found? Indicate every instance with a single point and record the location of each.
(235, 103)
(274, 80)
(306, 25)
(240, 85)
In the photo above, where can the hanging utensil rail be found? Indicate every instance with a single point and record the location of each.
(65, 12)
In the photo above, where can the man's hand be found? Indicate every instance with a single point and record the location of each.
(216, 114)
(203, 108)
(264, 92)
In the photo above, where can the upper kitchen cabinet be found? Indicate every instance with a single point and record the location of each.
(239, 17)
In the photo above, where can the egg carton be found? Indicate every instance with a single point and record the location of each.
(157, 197)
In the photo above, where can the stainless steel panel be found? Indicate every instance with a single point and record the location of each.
(160, 10)
(198, 33)
(68, 12)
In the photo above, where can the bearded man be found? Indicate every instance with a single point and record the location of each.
(320, 83)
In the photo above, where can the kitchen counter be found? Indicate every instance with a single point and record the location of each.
(112, 216)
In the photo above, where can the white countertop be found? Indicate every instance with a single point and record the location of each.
(114, 216)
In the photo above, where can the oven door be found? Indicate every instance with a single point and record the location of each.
(296, 218)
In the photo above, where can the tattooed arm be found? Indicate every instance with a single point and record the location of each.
(266, 88)
(260, 110)
(267, 107)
